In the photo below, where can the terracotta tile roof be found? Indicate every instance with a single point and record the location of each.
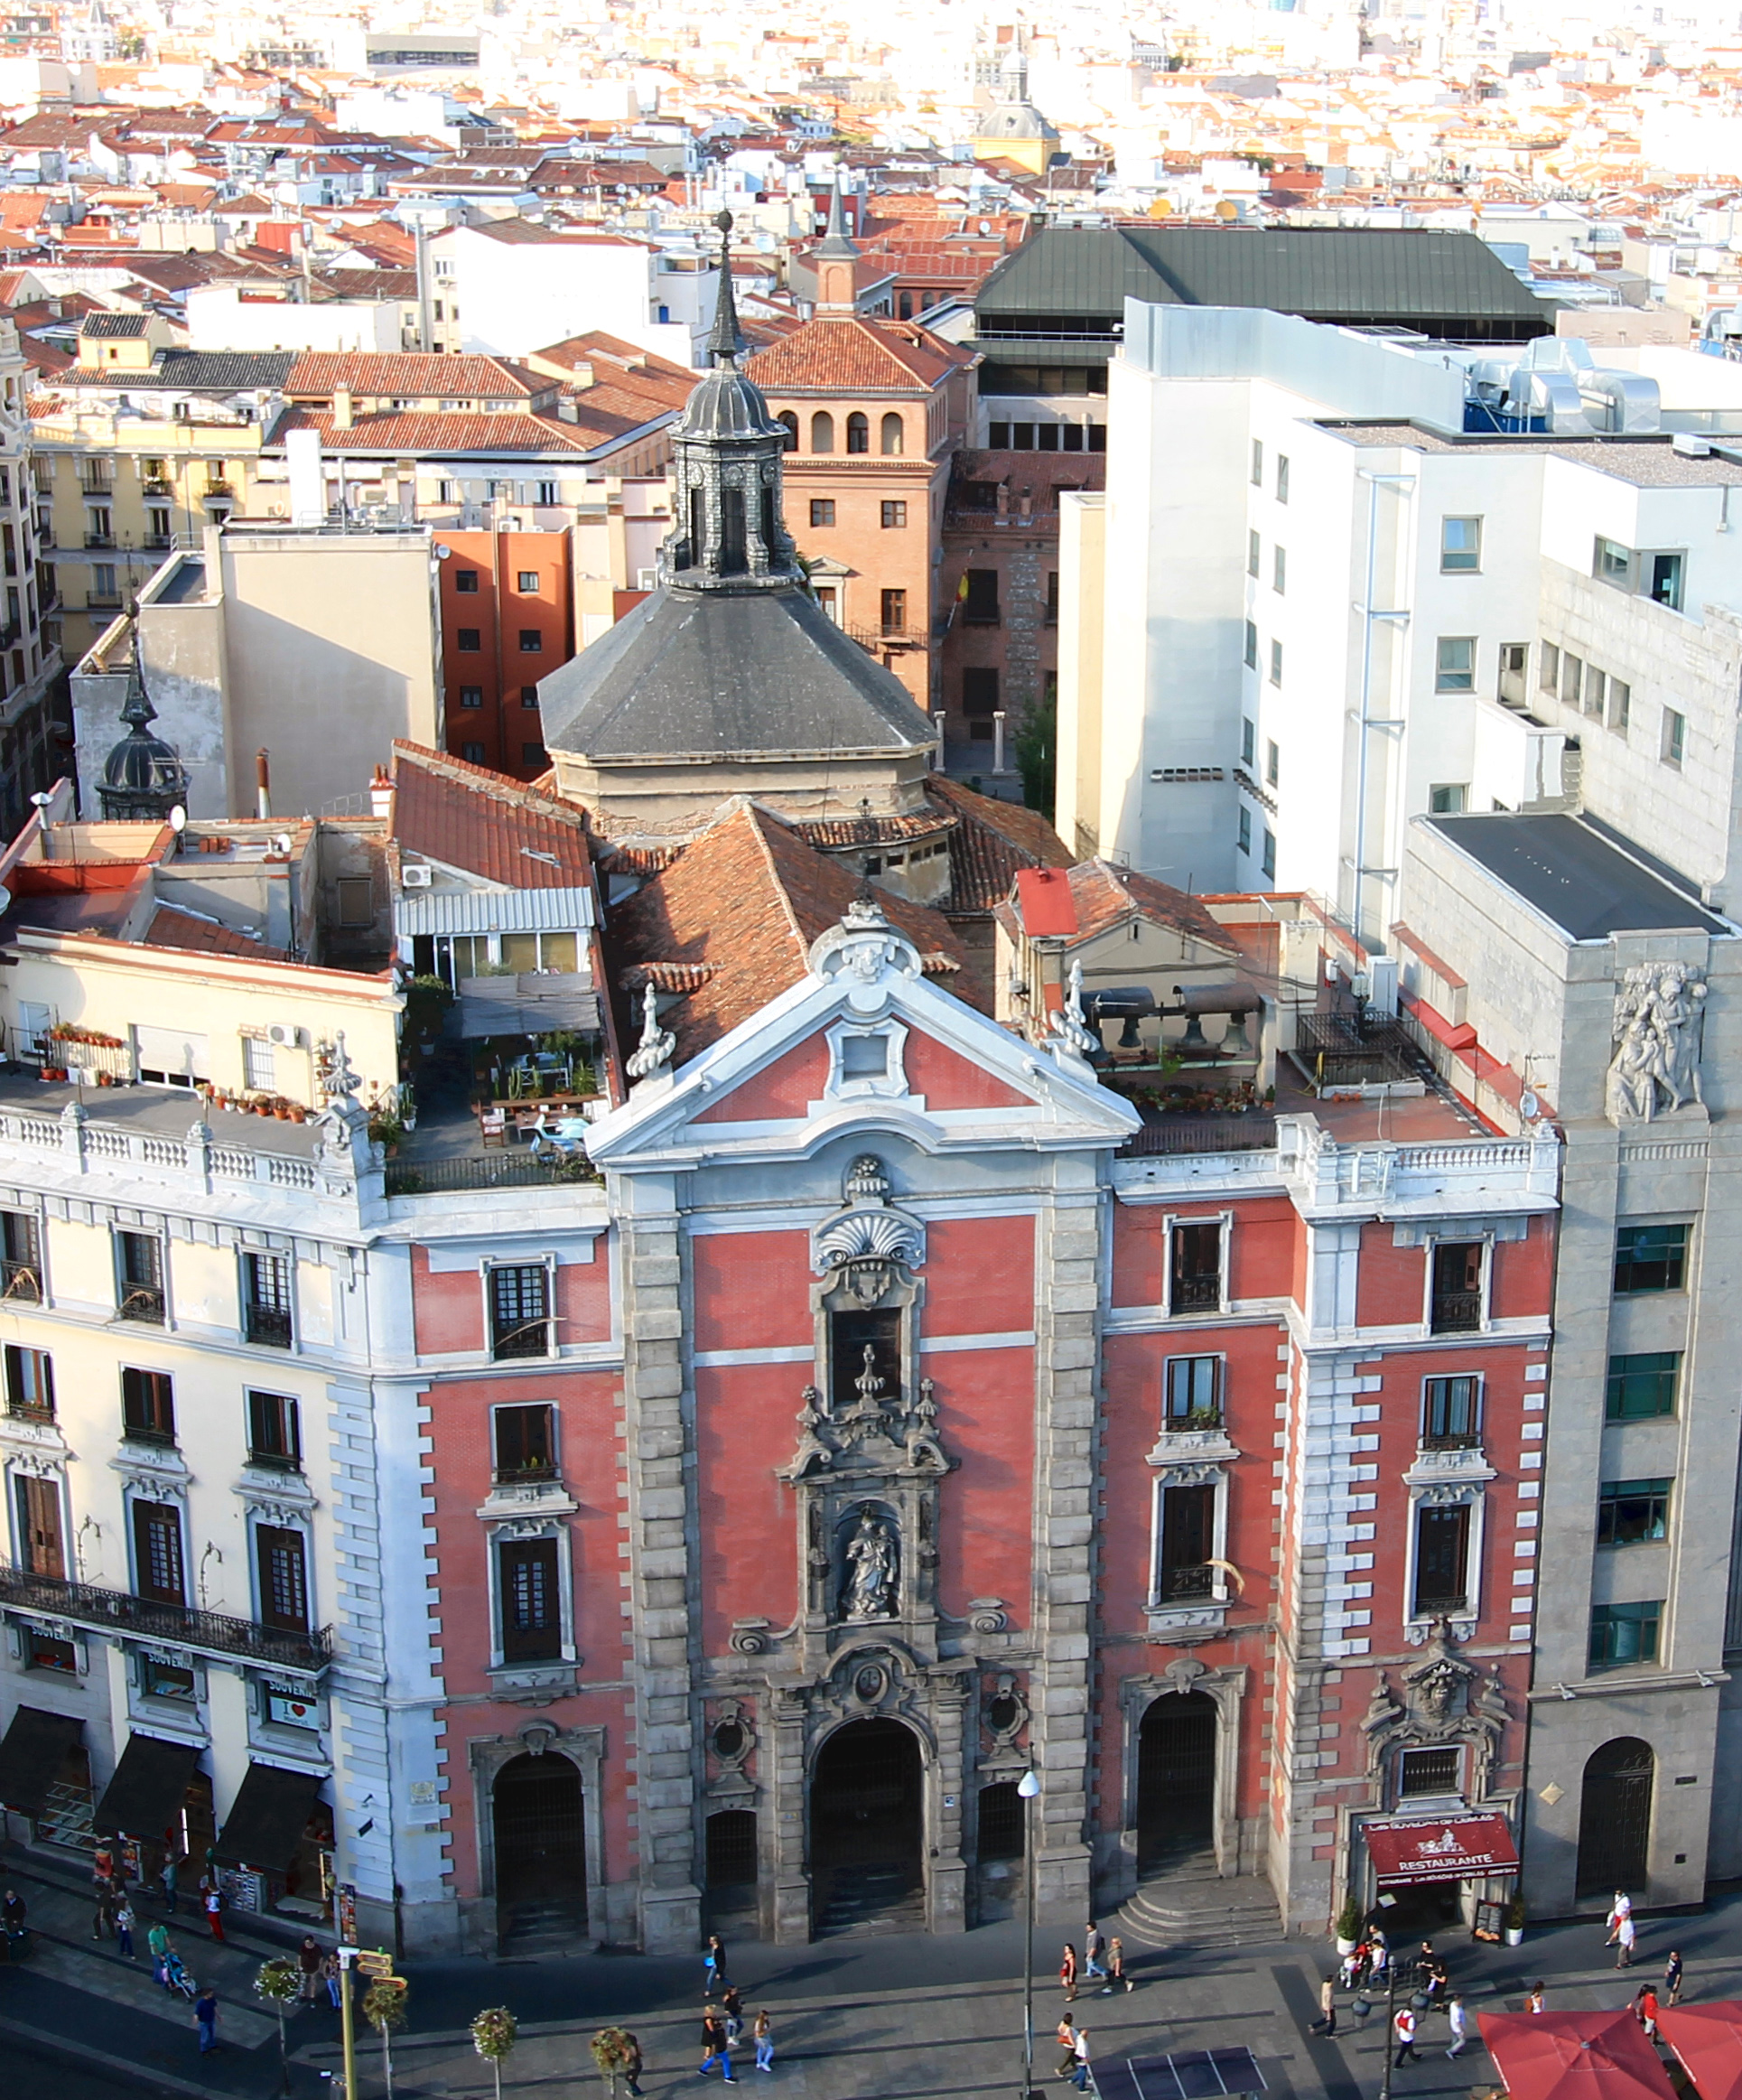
(469, 817)
(1105, 896)
(413, 431)
(869, 831)
(992, 840)
(843, 354)
(171, 927)
(409, 374)
(747, 898)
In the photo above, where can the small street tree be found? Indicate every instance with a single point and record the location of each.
(612, 2054)
(383, 2007)
(494, 2033)
(277, 1981)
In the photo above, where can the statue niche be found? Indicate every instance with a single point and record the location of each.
(871, 1564)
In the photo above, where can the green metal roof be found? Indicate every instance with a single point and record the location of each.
(1320, 272)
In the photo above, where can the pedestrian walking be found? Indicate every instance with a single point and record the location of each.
(1326, 2023)
(632, 2063)
(1068, 1972)
(1459, 2020)
(1080, 2076)
(1380, 1955)
(1533, 1997)
(732, 2005)
(330, 1976)
(158, 1941)
(713, 1965)
(309, 1958)
(215, 1910)
(1403, 2033)
(1624, 1934)
(1093, 1951)
(1116, 1977)
(124, 1924)
(1621, 1908)
(205, 2013)
(1672, 1979)
(1645, 2010)
(170, 1879)
(762, 2034)
(102, 1919)
(1066, 2037)
(714, 2048)
(15, 1909)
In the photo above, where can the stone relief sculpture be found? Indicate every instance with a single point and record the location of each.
(872, 1569)
(654, 1050)
(1655, 1064)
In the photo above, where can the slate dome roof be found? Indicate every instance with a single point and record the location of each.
(727, 404)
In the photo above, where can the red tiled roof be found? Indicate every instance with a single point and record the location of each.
(411, 431)
(170, 928)
(1104, 896)
(469, 817)
(410, 373)
(852, 355)
(991, 842)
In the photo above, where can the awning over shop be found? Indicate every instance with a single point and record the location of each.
(31, 1757)
(1708, 2044)
(1574, 2056)
(1448, 1849)
(531, 1002)
(150, 1784)
(1197, 2074)
(267, 1818)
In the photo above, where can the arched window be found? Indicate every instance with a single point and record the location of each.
(821, 432)
(731, 1848)
(1614, 1817)
(891, 436)
(858, 433)
(788, 421)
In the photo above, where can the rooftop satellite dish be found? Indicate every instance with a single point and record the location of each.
(281, 842)
(178, 820)
(443, 550)
(1528, 1106)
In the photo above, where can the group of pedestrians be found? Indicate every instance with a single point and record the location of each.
(723, 2021)
(1103, 1958)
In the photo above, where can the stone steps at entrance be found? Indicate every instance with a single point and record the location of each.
(872, 1898)
(1195, 1907)
(539, 1931)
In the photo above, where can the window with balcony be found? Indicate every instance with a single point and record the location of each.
(139, 1277)
(527, 1579)
(1650, 1257)
(1451, 1414)
(147, 1405)
(1195, 1268)
(1187, 1546)
(1625, 1633)
(519, 1310)
(894, 613)
(1633, 1512)
(1641, 1388)
(1192, 1393)
(158, 529)
(41, 1528)
(1442, 1544)
(21, 1258)
(1455, 1297)
(283, 1576)
(30, 1383)
(275, 1431)
(266, 1300)
(157, 1558)
(525, 1444)
(1429, 1772)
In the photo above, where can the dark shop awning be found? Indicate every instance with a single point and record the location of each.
(1450, 1849)
(150, 1784)
(1196, 2073)
(267, 1818)
(31, 1757)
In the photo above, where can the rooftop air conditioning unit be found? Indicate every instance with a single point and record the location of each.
(414, 876)
(283, 1035)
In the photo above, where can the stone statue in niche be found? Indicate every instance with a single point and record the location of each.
(1655, 1064)
(873, 1567)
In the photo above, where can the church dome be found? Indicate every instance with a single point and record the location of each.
(142, 775)
(726, 405)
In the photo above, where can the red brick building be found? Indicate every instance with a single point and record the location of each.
(508, 619)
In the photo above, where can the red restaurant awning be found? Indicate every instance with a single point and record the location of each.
(1574, 2056)
(1708, 2043)
(1448, 1849)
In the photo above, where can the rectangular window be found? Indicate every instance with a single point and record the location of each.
(532, 1620)
(1614, 564)
(1594, 683)
(979, 694)
(980, 606)
(1280, 570)
(1193, 1393)
(1620, 705)
(1258, 462)
(1051, 612)
(1664, 580)
(157, 1552)
(529, 696)
(544, 494)
(1451, 1413)
(275, 1430)
(1195, 1268)
(166, 1681)
(147, 1405)
(21, 1258)
(266, 1300)
(1456, 1304)
(519, 1301)
(354, 900)
(471, 696)
(470, 640)
(1276, 663)
(473, 753)
(1442, 1539)
(1281, 477)
(283, 1578)
(1572, 679)
(465, 580)
(1632, 1512)
(1248, 741)
(528, 581)
(533, 755)
(1255, 552)
(864, 1345)
(894, 611)
(532, 641)
(41, 1531)
(1650, 1257)
(1625, 1633)
(259, 1069)
(895, 516)
(1245, 831)
(30, 1383)
(1640, 1388)
(1548, 668)
(1675, 739)
(139, 1277)
(1454, 664)
(1268, 862)
(1449, 798)
(1272, 763)
(822, 511)
(1460, 545)
(524, 1442)
(1251, 657)
(1429, 1772)
(1188, 1544)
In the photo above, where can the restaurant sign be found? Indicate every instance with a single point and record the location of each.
(1448, 1849)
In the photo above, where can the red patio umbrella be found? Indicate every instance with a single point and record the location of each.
(1708, 2042)
(1574, 2056)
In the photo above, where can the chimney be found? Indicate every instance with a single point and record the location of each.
(261, 786)
(342, 410)
(380, 795)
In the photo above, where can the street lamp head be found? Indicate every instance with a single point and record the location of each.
(1028, 1786)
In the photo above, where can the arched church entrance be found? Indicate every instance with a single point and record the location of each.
(540, 1849)
(867, 1831)
(1615, 1818)
(1176, 1781)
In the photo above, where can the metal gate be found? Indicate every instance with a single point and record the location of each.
(1176, 1779)
(867, 1816)
(1614, 1817)
(541, 1841)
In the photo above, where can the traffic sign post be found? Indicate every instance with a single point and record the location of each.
(347, 1955)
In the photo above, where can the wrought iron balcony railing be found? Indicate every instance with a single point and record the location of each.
(117, 1611)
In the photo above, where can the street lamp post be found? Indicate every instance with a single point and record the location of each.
(1028, 1787)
